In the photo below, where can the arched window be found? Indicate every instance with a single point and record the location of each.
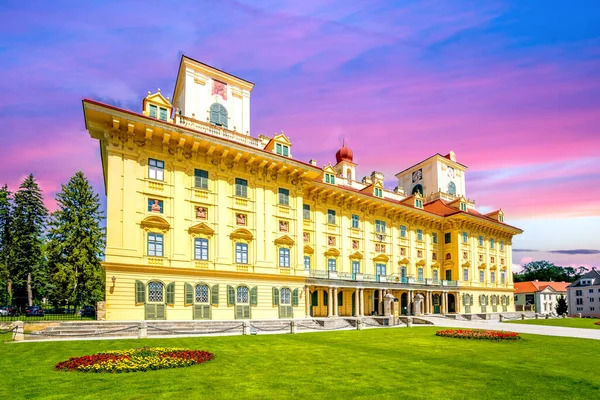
(242, 295)
(155, 292)
(452, 189)
(418, 188)
(218, 115)
(202, 294)
(349, 174)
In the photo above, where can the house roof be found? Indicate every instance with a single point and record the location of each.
(593, 274)
(538, 286)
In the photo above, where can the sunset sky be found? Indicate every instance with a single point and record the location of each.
(513, 87)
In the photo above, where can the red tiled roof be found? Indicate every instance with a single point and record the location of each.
(538, 286)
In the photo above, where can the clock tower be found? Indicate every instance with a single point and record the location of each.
(436, 174)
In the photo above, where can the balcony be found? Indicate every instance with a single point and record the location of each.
(217, 131)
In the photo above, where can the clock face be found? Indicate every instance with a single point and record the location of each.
(417, 175)
(450, 172)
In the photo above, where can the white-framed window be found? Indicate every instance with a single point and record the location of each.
(463, 206)
(435, 275)
(331, 264)
(284, 257)
(306, 211)
(493, 277)
(242, 295)
(306, 262)
(492, 244)
(419, 234)
(201, 249)
(481, 276)
(355, 267)
(378, 192)
(331, 217)
(156, 169)
(402, 231)
(155, 292)
(241, 187)
(200, 179)
(355, 221)
(152, 110)
(162, 115)
(434, 237)
(501, 246)
(282, 149)
(419, 203)
(481, 241)
(465, 274)
(420, 274)
(379, 226)
(155, 244)
(502, 277)
(403, 272)
(285, 296)
(241, 253)
(465, 237)
(284, 197)
(201, 293)
(380, 269)
(330, 178)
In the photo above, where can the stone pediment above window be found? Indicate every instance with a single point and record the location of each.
(155, 222)
(284, 240)
(404, 261)
(493, 267)
(381, 258)
(467, 264)
(435, 264)
(356, 256)
(448, 264)
(201, 229)
(482, 266)
(421, 263)
(308, 250)
(332, 253)
(241, 233)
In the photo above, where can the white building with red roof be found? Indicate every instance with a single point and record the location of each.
(538, 296)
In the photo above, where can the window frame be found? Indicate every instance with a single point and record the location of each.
(403, 231)
(241, 187)
(283, 197)
(201, 249)
(331, 215)
(306, 212)
(331, 262)
(200, 181)
(284, 257)
(157, 168)
(355, 220)
(155, 242)
(241, 253)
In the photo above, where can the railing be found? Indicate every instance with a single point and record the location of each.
(315, 273)
(345, 275)
(369, 277)
(217, 131)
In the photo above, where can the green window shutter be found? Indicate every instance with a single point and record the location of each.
(325, 298)
(275, 296)
(189, 294)
(254, 296)
(214, 295)
(150, 311)
(140, 292)
(171, 293)
(230, 295)
(340, 299)
(295, 298)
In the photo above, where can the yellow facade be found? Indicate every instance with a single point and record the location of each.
(204, 222)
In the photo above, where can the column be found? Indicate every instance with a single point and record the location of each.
(361, 298)
(380, 303)
(445, 302)
(457, 301)
(330, 302)
(335, 302)
(356, 302)
(307, 301)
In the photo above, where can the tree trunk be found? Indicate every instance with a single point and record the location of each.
(29, 293)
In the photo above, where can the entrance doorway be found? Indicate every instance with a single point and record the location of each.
(436, 303)
(376, 302)
(448, 274)
(404, 304)
(451, 303)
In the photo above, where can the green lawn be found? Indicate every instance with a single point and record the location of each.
(588, 323)
(376, 363)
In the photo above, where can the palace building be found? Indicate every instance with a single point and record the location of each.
(206, 221)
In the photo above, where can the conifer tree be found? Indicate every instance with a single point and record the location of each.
(26, 264)
(561, 305)
(75, 245)
(5, 245)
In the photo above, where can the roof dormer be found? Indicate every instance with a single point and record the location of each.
(377, 188)
(418, 200)
(498, 215)
(280, 144)
(157, 106)
(328, 174)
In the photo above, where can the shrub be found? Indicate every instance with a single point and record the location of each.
(479, 334)
(133, 360)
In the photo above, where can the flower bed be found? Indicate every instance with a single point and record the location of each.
(479, 334)
(597, 323)
(133, 360)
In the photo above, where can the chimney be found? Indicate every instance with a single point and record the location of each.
(313, 162)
